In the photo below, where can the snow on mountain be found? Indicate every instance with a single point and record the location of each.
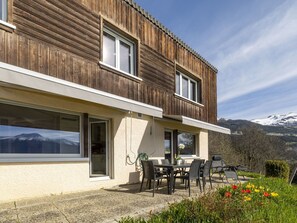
(30, 137)
(38, 138)
(278, 120)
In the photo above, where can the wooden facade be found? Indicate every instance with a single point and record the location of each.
(63, 39)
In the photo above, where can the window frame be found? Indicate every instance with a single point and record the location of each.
(4, 10)
(118, 39)
(189, 80)
(47, 155)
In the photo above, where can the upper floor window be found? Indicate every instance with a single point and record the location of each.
(3, 10)
(118, 52)
(187, 87)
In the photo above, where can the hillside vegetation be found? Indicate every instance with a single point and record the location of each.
(250, 144)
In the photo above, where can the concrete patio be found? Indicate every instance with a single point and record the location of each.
(102, 205)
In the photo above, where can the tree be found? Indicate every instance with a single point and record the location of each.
(249, 147)
(256, 147)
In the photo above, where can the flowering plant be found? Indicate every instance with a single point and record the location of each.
(180, 147)
(248, 193)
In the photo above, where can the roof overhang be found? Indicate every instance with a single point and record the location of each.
(199, 124)
(21, 77)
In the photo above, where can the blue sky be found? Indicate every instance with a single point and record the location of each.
(252, 43)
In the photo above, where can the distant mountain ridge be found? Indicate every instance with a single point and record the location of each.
(283, 126)
(36, 143)
(289, 119)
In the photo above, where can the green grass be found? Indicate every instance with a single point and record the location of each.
(238, 206)
(249, 174)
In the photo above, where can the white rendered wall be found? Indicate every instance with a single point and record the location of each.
(31, 179)
(130, 135)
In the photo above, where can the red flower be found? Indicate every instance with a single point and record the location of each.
(228, 194)
(234, 187)
(247, 191)
(266, 194)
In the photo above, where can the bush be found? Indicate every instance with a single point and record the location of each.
(277, 168)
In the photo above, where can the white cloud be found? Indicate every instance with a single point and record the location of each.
(260, 55)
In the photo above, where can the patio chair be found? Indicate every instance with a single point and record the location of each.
(217, 166)
(231, 174)
(165, 161)
(150, 174)
(192, 174)
(205, 172)
(161, 171)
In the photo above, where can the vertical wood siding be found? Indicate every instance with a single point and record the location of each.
(62, 39)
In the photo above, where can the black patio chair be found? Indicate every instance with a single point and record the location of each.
(192, 174)
(206, 172)
(161, 171)
(165, 161)
(150, 174)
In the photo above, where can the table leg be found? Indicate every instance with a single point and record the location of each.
(171, 182)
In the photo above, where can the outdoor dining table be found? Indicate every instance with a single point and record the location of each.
(171, 168)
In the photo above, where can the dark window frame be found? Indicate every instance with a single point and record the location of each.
(21, 106)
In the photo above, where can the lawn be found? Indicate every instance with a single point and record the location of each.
(259, 200)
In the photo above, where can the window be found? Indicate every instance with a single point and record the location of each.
(188, 140)
(187, 87)
(118, 52)
(3, 10)
(26, 130)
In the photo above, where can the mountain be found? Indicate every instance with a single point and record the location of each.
(36, 143)
(278, 120)
(283, 126)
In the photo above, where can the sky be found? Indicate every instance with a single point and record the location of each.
(253, 44)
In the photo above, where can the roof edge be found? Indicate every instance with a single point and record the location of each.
(199, 124)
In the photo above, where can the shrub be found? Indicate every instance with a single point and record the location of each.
(277, 168)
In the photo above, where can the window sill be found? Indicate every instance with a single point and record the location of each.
(188, 100)
(43, 160)
(122, 73)
(7, 26)
(188, 156)
(95, 179)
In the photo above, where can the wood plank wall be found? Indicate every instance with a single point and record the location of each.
(62, 39)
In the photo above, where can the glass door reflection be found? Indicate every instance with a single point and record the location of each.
(99, 148)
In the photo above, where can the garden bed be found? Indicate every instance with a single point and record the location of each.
(259, 200)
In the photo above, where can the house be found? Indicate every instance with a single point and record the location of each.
(86, 86)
